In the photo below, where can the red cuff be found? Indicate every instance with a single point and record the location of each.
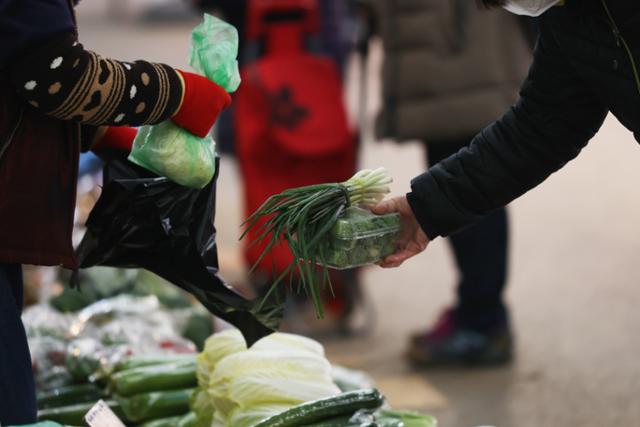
(202, 103)
(118, 137)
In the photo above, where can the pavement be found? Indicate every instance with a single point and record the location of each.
(573, 282)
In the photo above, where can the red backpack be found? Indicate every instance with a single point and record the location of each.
(290, 121)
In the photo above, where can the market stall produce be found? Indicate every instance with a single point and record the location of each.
(284, 380)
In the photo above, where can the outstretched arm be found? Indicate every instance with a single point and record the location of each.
(554, 119)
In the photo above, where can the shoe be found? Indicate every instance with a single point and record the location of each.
(449, 344)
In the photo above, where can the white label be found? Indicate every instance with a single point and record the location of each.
(102, 416)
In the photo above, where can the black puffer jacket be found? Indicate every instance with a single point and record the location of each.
(581, 71)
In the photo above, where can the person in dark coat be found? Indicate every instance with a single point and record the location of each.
(56, 96)
(430, 96)
(585, 66)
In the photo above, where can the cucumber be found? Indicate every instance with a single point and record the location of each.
(143, 361)
(155, 378)
(69, 395)
(74, 414)
(322, 409)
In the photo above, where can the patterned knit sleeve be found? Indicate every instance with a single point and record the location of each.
(68, 82)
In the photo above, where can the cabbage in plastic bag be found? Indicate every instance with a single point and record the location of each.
(172, 152)
(213, 52)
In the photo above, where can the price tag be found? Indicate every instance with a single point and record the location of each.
(100, 415)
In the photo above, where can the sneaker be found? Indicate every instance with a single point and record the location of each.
(447, 344)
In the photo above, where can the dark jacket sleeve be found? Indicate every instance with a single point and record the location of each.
(554, 119)
(28, 23)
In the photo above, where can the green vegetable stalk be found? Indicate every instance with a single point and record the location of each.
(304, 216)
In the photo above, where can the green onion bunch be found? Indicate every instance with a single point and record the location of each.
(304, 216)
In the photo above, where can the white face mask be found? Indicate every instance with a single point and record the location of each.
(529, 7)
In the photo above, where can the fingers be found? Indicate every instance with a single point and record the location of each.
(383, 208)
(395, 260)
(387, 206)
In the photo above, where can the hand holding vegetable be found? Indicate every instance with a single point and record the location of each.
(412, 239)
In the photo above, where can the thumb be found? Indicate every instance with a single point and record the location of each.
(384, 207)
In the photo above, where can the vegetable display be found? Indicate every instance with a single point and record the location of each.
(239, 387)
(304, 218)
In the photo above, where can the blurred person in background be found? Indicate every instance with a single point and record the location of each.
(585, 65)
(336, 40)
(450, 70)
(56, 98)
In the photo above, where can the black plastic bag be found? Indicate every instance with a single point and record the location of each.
(143, 221)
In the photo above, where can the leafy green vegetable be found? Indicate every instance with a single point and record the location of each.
(202, 407)
(303, 217)
(239, 387)
(359, 237)
(172, 152)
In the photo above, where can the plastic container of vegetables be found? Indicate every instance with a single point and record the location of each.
(360, 237)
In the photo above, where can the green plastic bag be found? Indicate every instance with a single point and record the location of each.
(172, 152)
(213, 52)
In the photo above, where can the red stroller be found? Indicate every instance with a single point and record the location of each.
(290, 125)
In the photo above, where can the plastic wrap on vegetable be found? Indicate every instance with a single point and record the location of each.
(141, 221)
(360, 237)
(172, 152)
(42, 320)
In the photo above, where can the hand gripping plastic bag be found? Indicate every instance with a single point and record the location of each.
(171, 151)
(142, 221)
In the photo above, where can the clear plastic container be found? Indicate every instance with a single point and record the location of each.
(359, 238)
